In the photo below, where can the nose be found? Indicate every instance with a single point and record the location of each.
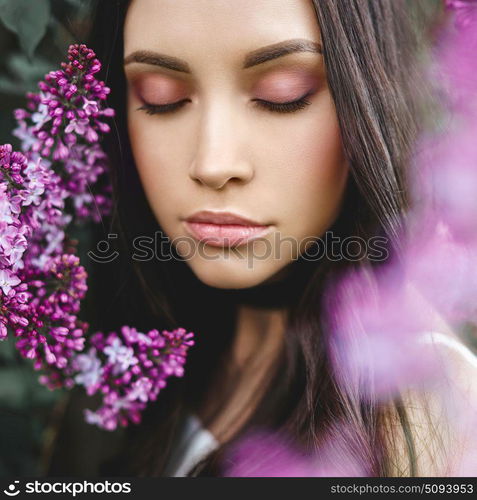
(220, 157)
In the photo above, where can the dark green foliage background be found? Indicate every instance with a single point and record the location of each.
(34, 37)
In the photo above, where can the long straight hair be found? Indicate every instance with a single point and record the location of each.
(369, 49)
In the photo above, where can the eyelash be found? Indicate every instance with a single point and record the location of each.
(284, 107)
(274, 107)
(154, 109)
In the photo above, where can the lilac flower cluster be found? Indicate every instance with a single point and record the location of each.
(464, 11)
(267, 453)
(42, 283)
(34, 193)
(51, 303)
(129, 370)
(28, 199)
(38, 303)
(381, 321)
(63, 124)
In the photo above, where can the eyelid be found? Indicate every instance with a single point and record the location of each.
(289, 101)
(157, 89)
(286, 85)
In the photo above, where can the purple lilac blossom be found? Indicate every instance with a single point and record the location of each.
(56, 181)
(376, 324)
(129, 370)
(53, 333)
(63, 124)
(375, 317)
(464, 11)
(262, 453)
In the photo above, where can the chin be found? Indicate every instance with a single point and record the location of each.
(231, 275)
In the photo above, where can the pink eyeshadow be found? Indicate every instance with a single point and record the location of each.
(285, 85)
(156, 89)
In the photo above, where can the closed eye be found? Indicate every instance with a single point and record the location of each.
(275, 107)
(154, 109)
(283, 107)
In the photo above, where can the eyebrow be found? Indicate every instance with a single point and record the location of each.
(280, 49)
(253, 58)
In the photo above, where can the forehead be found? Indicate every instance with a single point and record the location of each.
(206, 30)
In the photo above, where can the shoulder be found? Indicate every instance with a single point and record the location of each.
(457, 356)
(459, 362)
(442, 414)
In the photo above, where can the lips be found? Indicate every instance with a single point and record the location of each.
(223, 229)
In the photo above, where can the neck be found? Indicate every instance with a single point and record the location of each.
(258, 339)
(242, 377)
(280, 291)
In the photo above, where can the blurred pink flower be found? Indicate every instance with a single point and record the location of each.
(465, 11)
(271, 454)
(376, 322)
(443, 268)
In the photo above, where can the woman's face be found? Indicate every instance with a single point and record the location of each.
(211, 128)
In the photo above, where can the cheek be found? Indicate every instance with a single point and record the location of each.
(310, 169)
(158, 157)
(320, 169)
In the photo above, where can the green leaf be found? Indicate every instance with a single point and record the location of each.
(26, 70)
(28, 19)
(12, 388)
(7, 350)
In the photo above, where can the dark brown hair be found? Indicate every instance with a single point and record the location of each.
(369, 48)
